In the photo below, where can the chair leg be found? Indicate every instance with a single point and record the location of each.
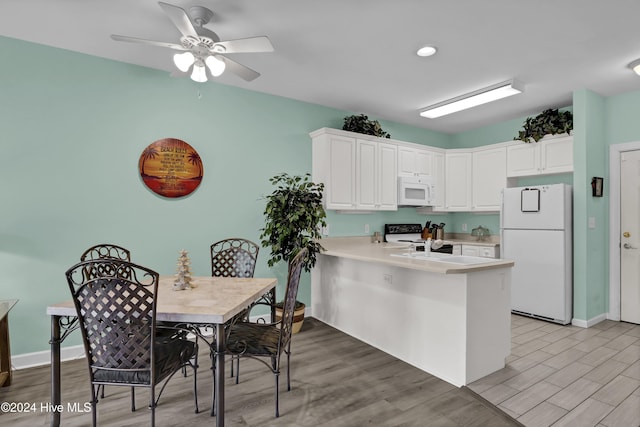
(94, 402)
(213, 398)
(195, 382)
(101, 387)
(288, 371)
(237, 368)
(153, 405)
(133, 399)
(277, 374)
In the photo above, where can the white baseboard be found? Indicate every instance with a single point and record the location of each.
(40, 358)
(589, 323)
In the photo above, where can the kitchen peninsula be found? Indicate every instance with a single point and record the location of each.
(450, 319)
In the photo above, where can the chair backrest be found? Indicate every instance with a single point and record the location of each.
(106, 250)
(291, 294)
(234, 257)
(115, 302)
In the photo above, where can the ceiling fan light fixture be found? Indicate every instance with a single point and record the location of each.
(473, 99)
(184, 61)
(199, 73)
(216, 66)
(635, 66)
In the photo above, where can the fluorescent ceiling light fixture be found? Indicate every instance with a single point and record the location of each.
(473, 99)
(635, 66)
(426, 51)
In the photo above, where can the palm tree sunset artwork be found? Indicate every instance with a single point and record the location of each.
(171, 167)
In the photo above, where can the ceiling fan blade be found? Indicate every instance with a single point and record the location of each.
(251, 44)
(147, 42)
(240, 70)
(180, 19)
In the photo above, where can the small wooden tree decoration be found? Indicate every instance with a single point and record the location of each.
(183, 272)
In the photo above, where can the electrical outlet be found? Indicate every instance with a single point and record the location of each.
(325, 230)
(464, 227)
(366, 228)
(592, 222)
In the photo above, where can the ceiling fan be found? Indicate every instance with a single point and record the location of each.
(201, 49)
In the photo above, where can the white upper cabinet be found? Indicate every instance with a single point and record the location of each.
(359, 174)
(458, 184)
(376, 176)
(439, 175)
(413, 161)
(489, 171)
(548, 156)
(334, 164)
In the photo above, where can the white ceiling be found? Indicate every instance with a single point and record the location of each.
(359, 55)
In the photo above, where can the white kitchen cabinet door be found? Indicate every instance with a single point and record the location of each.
(440, 180)
(523, 160)
(342, 173)
(548, 156)
(366, 180)
(413, 161)
(470, 250)
(334, 165)
(458, 184)
(485, 251)
(387, 176)
(376, 187)
(557, 155)
(489, 178)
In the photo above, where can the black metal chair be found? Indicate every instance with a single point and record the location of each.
(115, 302)
(269, 341)
(101, 251)
(234, 257)
(106, 250)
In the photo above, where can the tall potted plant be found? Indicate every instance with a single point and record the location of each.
(293, 217)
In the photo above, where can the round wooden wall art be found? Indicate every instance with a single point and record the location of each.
(170, 167)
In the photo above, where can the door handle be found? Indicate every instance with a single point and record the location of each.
(628, 246)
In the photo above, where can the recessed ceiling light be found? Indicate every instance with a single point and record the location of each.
(426, 51)
(635, 66)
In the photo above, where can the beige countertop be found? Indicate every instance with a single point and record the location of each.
(361, 248)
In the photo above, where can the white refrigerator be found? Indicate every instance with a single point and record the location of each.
(536, 233)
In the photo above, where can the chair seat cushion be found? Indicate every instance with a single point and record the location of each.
(170, 355)
(253, 338)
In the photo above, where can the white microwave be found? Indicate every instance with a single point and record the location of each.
(416, 190)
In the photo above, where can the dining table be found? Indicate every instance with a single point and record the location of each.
(210, 302)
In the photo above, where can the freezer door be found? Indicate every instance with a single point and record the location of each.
(541, 278)
(542, 207)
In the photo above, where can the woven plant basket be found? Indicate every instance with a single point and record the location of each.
(298, 315)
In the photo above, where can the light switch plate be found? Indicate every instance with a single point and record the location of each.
(592, 222)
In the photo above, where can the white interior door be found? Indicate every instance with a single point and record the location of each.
(630, 236)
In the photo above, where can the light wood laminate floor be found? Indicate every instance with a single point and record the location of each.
(569, 376)
(556, 375)
(336, 381)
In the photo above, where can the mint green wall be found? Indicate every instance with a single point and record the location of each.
(73, 132)
(73, 129)
(589, 245)
(622, 118)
